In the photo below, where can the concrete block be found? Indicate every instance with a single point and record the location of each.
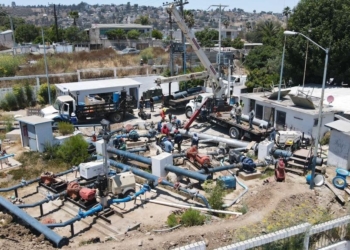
(159, 162)
(247, 177)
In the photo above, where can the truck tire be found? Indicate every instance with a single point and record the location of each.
(116, 117)
(55, 123)
(188, 112)
(235, 133)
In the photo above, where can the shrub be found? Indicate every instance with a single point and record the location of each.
(147, 54)
(50, 151)
(9, 65)
(43, 97)
(74, 150)
(325, 139)
(19, 93)
(65, 128)
(10, 102)
(8, 122)
(172, 220)
(29, 93)
(216, 195)
(192, 218)
(243, 209)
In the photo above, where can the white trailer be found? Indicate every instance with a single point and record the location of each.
(82, 89)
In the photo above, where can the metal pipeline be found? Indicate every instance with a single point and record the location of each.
(135, 171)
(56, 239)
(230, 142)
(129, 155)
(145, 188)
(174, 169)
(6, 156)
(258, 122)
(187, 173)
(140, 149)
(156, 180)
(25, 183)
(184, 154)
(219, 169)
(198, 195)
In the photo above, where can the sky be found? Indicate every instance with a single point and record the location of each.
(246, 5)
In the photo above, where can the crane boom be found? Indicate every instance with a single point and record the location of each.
(217, 84)
(185, 77)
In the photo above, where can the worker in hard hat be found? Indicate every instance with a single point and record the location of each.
(176, 121)
(74, 119)
(162, 113)
(178, 139)
(168, 146)
(195, 140)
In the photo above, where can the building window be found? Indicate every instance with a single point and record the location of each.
(280, 119)
(259, 111)
(315, 122)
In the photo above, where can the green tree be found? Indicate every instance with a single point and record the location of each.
(43, 95)
(74, 150)
(286, 12)
(248, 25)
(226, 23)
(26, 33)
(207, 37)
(259, 56)
(28, 90)
(216, 195)
(189, 18)
(237, 43)
(268, 31)
(143, 20)
(116, 34)
(74, 35)
(157, 34)
(329, 21)
(18, 91)
(74, 15)
(133, 34)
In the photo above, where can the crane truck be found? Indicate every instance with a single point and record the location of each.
(213, 103)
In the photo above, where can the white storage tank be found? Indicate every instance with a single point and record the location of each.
(92, 169)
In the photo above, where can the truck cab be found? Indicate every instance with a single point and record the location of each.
(196, 103)
(61, 110)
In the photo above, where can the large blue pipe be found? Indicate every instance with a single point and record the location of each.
(194, 175)
(155, 179)
(129, 155)
(144, 189)
(25, 183)
(56, 239)
(148, 161)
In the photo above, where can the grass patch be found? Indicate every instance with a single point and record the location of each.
(244, 209)
(192, 218)
(172, 220)
(267, 173)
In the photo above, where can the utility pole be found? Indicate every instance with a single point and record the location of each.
(13, 36)
(181, 4)
(171, 42)
(221, 8)
(56, 26)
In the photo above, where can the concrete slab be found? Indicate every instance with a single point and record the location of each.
(9, 163)
(248, 177)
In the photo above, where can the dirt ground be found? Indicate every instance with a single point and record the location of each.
(268, 208)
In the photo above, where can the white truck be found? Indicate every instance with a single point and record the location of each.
(90, 100)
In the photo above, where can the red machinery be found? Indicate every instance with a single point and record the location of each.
(280, 171)
(194, 157)
(73, 189)
(47, 178)
(87, 194)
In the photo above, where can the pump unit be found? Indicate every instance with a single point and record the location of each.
(122, 184)
(91, 169)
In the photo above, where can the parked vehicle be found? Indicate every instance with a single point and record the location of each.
(93, 100)
(129, 51)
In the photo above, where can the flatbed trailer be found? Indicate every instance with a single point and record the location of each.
(237, 131)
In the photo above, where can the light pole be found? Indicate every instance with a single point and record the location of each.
(307, 50)
(319, 122)
(281, 74)
(13, 36)
(221, 8)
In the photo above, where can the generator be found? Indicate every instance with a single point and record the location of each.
(90, 170)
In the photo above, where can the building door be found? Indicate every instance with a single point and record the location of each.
(134, 93)
(280, 120)
(32, 138)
